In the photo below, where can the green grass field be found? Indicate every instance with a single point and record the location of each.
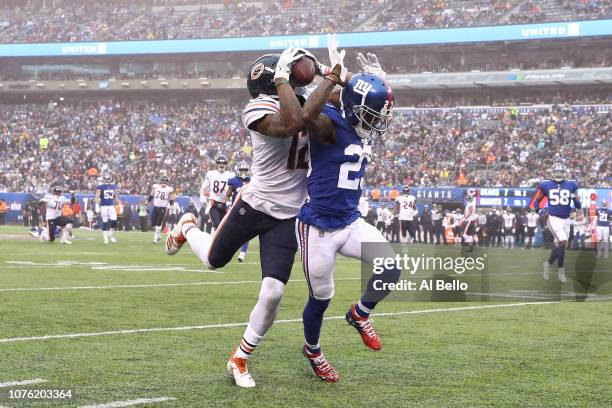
(520, 355)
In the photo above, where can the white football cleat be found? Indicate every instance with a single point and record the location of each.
(237, 368)
(65, 241)
(546, 273)
(113, 240)
(241, 257)
(175, 238)
(561, 275)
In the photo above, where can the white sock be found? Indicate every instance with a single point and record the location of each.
(157, 235)
(110, 232)
(105, 235)
(247, 344)
(65, 233)
(200, 242)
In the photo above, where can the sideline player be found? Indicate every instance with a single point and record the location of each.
(470, 236)
(509, 219)
(560, 193)
(161, 194)
(329, 221)
(54, 203)
(602, 231)
(532, 222)
(106, 199)
(235, 184)
(406, 208)
(215, 187)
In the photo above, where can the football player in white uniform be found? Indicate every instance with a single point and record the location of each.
(215, 187)
(406, 208)
(602, 228)
(54, 202)
(470, 217)
(172, 213)
(509, 228)
(161, 194)
(532, 222)
(268, 205)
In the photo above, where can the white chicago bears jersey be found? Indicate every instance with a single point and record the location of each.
(508, 220)
(215, 183)
(278, 184)
(161, 195)
(406, 204)
(532, 219)
(469, 214)
(54, 205)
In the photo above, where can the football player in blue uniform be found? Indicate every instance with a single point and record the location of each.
(234, 185)
(560, 193)
(602, 220)
(106, 199)
(329, 222)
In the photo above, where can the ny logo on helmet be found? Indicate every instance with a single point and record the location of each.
(362, 87)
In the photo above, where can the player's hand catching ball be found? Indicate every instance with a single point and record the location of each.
(285, 62)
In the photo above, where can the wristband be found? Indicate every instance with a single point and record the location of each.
(280, 81)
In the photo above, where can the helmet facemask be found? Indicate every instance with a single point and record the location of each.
(370, 122)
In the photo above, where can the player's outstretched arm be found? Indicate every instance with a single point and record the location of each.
(319, 125)
(288, 121)
(538, 196)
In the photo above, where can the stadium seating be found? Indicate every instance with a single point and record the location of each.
(135, 140)
(180, 19)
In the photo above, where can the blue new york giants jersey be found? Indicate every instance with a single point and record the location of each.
(236, 183)
(107, 194)
(560, 196)
(603, 217)
(335, 177)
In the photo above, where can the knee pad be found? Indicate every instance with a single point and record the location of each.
(113, 224)
(105, 226)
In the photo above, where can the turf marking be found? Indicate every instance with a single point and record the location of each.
(226, 325)
(129, 403)
(23, 382)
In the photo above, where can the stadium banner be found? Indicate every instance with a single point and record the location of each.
(16, 202)
(573, 29)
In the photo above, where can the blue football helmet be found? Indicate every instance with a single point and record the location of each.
(367, 104)
(558, 172)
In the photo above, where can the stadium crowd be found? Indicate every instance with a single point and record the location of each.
(72, 145)
(110, 20)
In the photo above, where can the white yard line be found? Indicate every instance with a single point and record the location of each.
(155, 285)
(23, 382)
(225, 325)
(129, 403)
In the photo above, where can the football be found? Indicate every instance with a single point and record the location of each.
(303, 72)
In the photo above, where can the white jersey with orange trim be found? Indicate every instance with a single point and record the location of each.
(469, 214)
(278, 182)
(216, 183)
(406, 207)
(161, 195)
(54, 205)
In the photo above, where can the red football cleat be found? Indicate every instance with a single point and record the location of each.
(364, 326)
(321, 366)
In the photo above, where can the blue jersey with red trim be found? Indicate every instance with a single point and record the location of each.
(236, 183)
(603, 217)
(560, 196)
(107, 194)
(335, 177)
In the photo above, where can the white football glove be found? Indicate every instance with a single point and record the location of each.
(336, 57)
(285, 62)
(370, 65)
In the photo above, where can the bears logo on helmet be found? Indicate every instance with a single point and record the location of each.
(260, 79)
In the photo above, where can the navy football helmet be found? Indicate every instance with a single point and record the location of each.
(558, 172)
(367, 104)
(405, 190)
(221, 162)
(243, 169)
(260, 79)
